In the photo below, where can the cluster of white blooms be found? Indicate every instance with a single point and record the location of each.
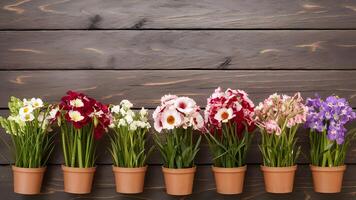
(26, 111)
(123, 116)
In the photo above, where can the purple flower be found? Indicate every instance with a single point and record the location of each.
(330, 115)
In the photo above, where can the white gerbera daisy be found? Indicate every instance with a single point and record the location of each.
(27, 117)
(36, 103)
(171, 119)
(185, 104)
(75, 116)
(224, 115)
(78, 103)
(26, 110)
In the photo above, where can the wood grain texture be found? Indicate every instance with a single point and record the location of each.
(125, 49)
(145, 87)
(204, 186)
(185, 14)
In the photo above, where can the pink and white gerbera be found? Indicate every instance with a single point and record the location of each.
(177, 112)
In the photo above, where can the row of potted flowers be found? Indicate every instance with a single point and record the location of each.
(229, 121)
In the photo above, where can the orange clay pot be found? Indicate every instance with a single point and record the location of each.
(129, 180)
(28, 180)
(78, 180)
(279, 179)
(179, 181)
(327, 179)
(229, 180)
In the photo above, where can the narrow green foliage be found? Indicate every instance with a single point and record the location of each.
(326, 153)
(178, 147)
(78, 145)
(280, 150)
(32, 145)
(228, 149)
(128, 148)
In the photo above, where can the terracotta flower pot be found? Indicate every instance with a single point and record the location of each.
(279, 179)
(327, 179)
(28, 180)
(78, 180)
(179, 181)
(129, 180)
(229, 180)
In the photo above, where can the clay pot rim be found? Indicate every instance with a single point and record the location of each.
(328, 169)
(229, 169)
(29, 170)
(78, 169)
(179, 171)
(129, 169)
(279, 169)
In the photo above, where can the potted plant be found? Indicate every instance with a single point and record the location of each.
(329, 141)
(229, 120)
(176, 119)
(83, 120)
(128, 147)
(279, 118)
(29, 125)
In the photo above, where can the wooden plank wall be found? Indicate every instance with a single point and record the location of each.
(140, 50)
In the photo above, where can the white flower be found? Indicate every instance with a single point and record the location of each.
(133, 126)
(185, 104)
(26, 102)
(171, 119)
(126, 104)
(53, 113)
(26, 110)
(224, 115)
(36, 103)
(115, 109)
(129, 119)
(143, 112)
(168, 99)
(122, 122)
(130, 113)
(111, 125)
(197, 121)
(75, 116)
(238, 106)
(40, 117)
(27, 117)
(122, 111)
(76, 103)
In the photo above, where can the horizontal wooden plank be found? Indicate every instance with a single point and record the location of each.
(203, 157)
(140, 14)
(204, 186)
(178, 49)
(145, 87)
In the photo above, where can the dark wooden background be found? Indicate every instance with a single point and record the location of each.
(140, 50)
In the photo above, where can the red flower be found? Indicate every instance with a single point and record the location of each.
(89, 108)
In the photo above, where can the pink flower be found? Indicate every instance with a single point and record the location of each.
(272, 127)
(230, 106)
(177, 112)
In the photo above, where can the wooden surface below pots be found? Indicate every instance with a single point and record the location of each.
(229, 180)
(28, 181)
(129, 180)
(78, 180)
(279, 179)
(327, 179)
(179, 181)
